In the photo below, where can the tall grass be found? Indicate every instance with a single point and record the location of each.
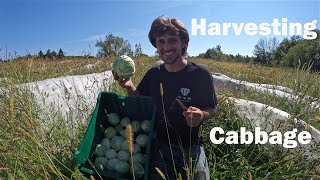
(37, 147)
(252, 161)
(33, 147)
(34, 69)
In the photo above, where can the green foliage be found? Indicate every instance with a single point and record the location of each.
(30, 150)
(40, 54)
(60, 54)
(138, 50)
(217, 54)
(303, 53)
(212, 53)
(264, 50)
(48, 54)
(114, 46)
(53, 54)
(290, 52)
(284, 47)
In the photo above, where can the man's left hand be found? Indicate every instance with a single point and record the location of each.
(193, 116)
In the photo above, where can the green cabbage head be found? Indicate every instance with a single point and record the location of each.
(123, 66)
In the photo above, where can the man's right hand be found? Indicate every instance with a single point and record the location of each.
(125, 83)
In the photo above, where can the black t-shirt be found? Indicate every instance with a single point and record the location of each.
(193, 85)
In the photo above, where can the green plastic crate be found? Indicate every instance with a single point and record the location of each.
(136, 108)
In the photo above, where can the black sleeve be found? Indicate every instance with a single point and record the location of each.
(144, 86)
(212, 98)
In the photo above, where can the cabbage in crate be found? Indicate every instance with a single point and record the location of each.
(123, 67)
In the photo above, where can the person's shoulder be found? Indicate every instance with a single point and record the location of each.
(199, 67)
(154, 69)
(157, 67)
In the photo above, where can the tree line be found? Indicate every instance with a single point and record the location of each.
(290, 52)
(51, 54)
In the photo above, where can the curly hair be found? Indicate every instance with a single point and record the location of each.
(163, 24)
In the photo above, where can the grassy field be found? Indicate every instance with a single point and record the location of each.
(300, 80)
(28, 151)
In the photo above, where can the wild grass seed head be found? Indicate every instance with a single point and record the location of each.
(129, 137)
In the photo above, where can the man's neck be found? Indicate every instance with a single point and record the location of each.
(177, 66)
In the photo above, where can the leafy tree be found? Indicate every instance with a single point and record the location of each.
(40, 54)
(303, 53)
(238, 57)
(298, 51)
(284, 47)
(114, 46)
(138, 50)
(265, 49)
(218, 48)
(213, 53)
(60, 54)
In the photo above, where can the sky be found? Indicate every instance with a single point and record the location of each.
(28, 26)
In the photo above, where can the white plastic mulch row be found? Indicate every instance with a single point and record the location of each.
(279, 91)
(74, 96)
(270, 118)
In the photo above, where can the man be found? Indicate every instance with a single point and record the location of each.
(176, 129)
